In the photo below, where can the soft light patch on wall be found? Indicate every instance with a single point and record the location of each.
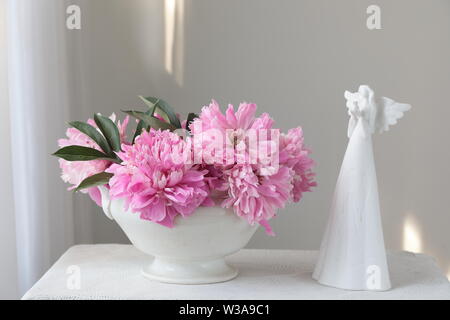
(412, 239)
(179, 43)
(174, 39)
(169, 25)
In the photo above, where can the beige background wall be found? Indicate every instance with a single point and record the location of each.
(294, 59)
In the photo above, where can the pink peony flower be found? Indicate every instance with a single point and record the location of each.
(243, 119)
(155, 179)
(211, 117)
(295, 156)
(236, 137)
(255, 190)
(74, 172)
(257, 198)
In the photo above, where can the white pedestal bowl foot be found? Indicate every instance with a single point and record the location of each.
(189, 272)
(193, 251)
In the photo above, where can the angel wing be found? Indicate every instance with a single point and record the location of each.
(388, 113)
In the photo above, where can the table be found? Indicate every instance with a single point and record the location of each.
(112, 271)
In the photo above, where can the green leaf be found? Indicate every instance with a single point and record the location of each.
(154, 107)
(80, 153)
(190, 118)
(154, 103)
(141, 125)
(92, 133)
(153, 122)
(109, 130)
(98, 179)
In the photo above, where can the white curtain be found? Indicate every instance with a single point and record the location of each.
(41, 82)
(8, 274)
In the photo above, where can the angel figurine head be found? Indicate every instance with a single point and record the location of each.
(376, 114)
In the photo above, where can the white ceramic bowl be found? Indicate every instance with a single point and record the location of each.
(193, 251)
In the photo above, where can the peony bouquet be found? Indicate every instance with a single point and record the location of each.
(170, 167)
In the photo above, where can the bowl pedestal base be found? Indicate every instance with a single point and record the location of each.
(189, 271)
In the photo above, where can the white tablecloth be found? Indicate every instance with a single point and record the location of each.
(113, 272)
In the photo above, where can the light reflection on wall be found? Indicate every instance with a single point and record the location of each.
(412, 239)
(179, 43)
(174, 38)
(169, 25)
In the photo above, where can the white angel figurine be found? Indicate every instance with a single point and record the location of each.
(352, 254)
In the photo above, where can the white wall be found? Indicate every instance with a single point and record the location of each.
(294, 59)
